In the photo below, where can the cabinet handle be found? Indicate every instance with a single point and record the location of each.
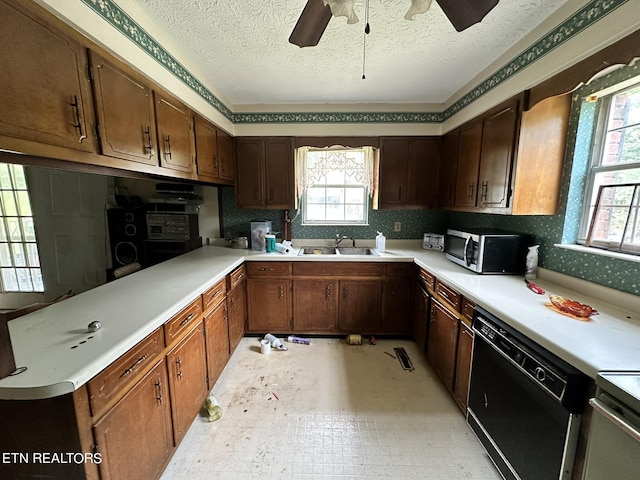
(159, 392)
(129, 370)
(328, 291)
(485, 187)
(187, 320)
(179, 366)
(470, 191)
(148, 146)
(167, 148)
(345, 291)
(281, 291)
(215, 166)
(78, 124)
(266, 269)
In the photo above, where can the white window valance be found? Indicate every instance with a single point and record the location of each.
(310, 172)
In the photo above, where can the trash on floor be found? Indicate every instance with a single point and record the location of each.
(294, 339)
(214, 411)
(354, 339)
(403, 357)
(275, 342)
(372, 340)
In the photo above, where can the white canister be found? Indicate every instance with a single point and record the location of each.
(265, 346)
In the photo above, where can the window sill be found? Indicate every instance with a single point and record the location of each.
(599, 251)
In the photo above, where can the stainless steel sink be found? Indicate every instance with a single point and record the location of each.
(317, 251)
(357, 251)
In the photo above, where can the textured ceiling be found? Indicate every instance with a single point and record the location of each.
(241, 47)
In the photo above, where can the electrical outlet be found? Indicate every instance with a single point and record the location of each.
(397, 226)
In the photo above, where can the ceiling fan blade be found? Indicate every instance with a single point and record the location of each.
(464, 13)
(311, 24)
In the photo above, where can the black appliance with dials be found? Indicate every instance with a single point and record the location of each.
(525, 403)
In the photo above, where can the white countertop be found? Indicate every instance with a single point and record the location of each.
(132, 307)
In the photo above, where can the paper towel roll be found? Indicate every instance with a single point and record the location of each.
(281, 248)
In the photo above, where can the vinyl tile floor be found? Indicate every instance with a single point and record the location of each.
(330, 411)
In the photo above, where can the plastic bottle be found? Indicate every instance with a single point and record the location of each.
(381, 242)
(294, 339)
(214, 410)
(531, 266)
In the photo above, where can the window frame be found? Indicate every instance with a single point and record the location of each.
(367, 204)
(595, 167)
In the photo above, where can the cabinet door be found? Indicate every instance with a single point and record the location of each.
(420, 318)
(249, 164)
(46, 93)
(269, 305)
(394, 167)
(135, 437)
(278, 173)
(217, 342)
(315, 305)
(463, 366)
(396, 306)
(126, 118)
(498, 138)
(359, 306)
(468, 164)
(206, 149)
(422, 176)
(441, 349)
(186, 363)
(448, 169)
(225, 156)
(175, 134)
(237, 314)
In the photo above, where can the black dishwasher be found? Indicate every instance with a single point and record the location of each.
(524, 403)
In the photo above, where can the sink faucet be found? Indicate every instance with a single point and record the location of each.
(343, 237)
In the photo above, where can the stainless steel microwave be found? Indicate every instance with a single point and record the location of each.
(484, 250)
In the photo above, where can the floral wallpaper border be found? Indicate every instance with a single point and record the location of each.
(578, 22)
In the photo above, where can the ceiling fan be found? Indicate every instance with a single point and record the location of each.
(316, 15)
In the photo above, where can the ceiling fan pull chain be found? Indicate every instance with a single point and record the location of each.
(367, 29)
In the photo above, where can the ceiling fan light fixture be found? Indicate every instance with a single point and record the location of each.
(417, 7)
(342, 8)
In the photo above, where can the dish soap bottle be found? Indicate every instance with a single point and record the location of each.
(381, 242)
(531, 266)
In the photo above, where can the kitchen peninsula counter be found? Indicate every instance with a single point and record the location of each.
(61, 355)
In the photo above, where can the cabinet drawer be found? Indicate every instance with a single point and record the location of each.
(268, 269)
(427, 280)
(108, 383)
(214, 295)
(181, 322)
(236, 277)
(467, 311)
(399, 269)
(448, 295)
(347, 269)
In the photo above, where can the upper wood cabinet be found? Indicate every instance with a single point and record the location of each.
(125, 110)
(226, 165)
(44, 85)
(214, 153)
(408, 172)
(264, 172)
(510, 160)
(176, 145)
(469, 146)
(448, 169)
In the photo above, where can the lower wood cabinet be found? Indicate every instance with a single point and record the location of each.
(236, 306)
(135, 437)
(216, 328)
(359, 306)
(186, 364)
(421, 318)
(397, 306)
(443, 338)
(315, 305)
(269, 305)
(463, 366)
